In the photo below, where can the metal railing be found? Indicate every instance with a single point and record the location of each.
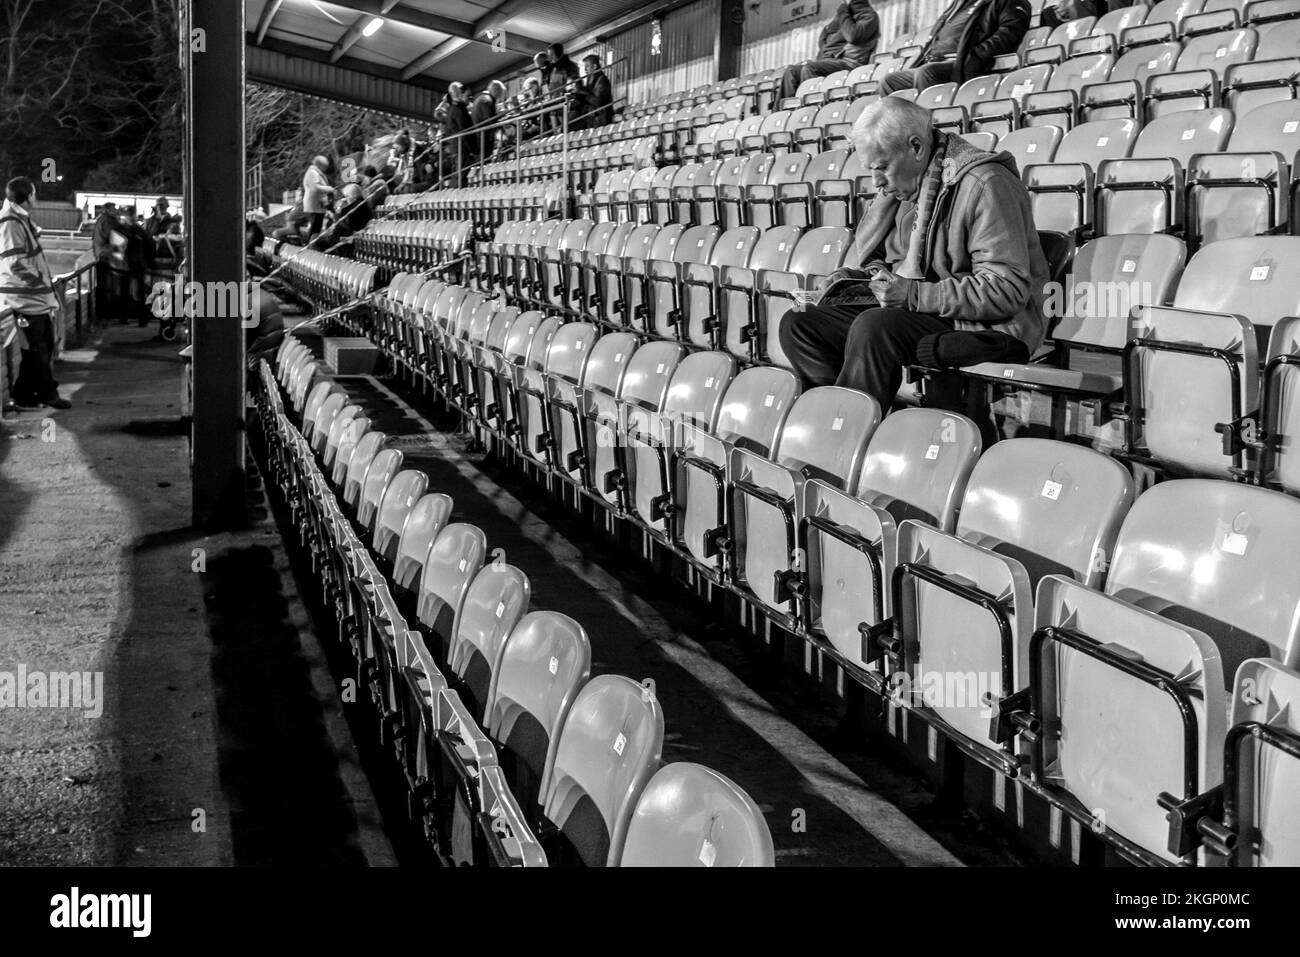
(61, 284)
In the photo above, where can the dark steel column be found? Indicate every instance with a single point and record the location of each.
(214, 221)
(729, 39)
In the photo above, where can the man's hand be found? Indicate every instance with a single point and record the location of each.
(848, 272)
(889, 289)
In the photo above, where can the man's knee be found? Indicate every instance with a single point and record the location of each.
(898, 80)
(880, 331)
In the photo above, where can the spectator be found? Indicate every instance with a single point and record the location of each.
(27, 288)
(953, 263)
(484, 109)
(543, 64)
(1056, 12)
(295, 222)
(848, 40)
(560, 81)
(255, 261)
(968, 36)
(139, 258)
(317, 193)
(595, 94)
(456, 119)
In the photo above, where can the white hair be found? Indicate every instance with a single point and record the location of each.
(891, 122)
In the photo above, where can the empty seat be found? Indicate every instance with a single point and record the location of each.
(697, 321)
(1199, 582)
(1062, 190)
(395, 506)
(1031, 144)
(916, 466)
(1243, 191)
(453, 561)
(1120, 95)
(537, 674)
(1191, 367)
(609, 747)
(494, 602)
(423, 523)
(1058, 104)
(963, 602)
(824, 438)
(1197, 76)
(1143, 193)
(690, 816)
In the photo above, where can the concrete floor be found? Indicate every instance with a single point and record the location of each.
(220, 740)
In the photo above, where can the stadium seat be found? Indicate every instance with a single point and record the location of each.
(1190, 370)
(823, 439)
(424, 522)
(379, 475)
(1143, 193)
(1198, 74)
(962, 603)
(697, 321)
(538, 671)
(916, 465)
(1278, 464)
(1243, 191)
(818, 253)
(1120, 95)
(690, 816)
(494, 603)
(1058, 104)
(454, 560)
(608, 749)
(399, 498)
(753, 410)
(1061, 191)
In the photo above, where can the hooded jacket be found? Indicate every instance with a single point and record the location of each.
(995, 27)
(984, 265)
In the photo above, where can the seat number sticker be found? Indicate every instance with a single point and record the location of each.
(1130, 265)
(618, 357)
(1220, 53)
(826, 249)
(708, 383)
(708, 853)
(1051, 490)
(1031, 147)
(554, 666)
(837, 424)
(932, 453)
(501, 608)
(1235, 543)
(1259, 274)
(1188, 134)
(461, 565)
(1151, 64)
(1290, 126)
(620, 743)
(768, 400)
(1103, 140)
(659, 369)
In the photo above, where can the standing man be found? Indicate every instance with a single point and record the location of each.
(964, 43)
(316, 194)
(455, 108)
(595, 94)
(847, 41)
(560, 81)
(27, 288)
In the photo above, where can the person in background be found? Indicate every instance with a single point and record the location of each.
(27, 287)
(543, 64)
(964, 42)
(317, 193)
(160, 218)
(848, 40)
(455, 107)
(138, 261)
(484, 108)
(595, 94)
(560, 82)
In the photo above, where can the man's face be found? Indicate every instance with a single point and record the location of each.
(895, 171)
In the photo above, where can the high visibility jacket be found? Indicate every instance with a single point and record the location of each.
(25, 282)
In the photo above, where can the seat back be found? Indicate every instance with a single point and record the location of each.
(1219, 557)
(1031, 144)
(917, 465)
(359, 462)
(453, 561)
(690, 816)
(609, 747)
(1097, 140)
(540, 668)
(394, 508)
(494, 602)
(1052, 506)
(423, 523)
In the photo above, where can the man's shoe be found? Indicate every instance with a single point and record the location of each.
(58, 404)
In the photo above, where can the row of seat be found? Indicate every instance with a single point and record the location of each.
(482, 700)
(326, 279)
(902, 551)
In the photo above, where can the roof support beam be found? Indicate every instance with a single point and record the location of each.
(350, 63)
(268, 14)
(399, 12)
(349, 38)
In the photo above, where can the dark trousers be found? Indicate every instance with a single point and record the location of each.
(858, 348)
(796, 74)
(35, 383)
(928, 74)
(315, 221)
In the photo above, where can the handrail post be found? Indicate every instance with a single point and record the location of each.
(564, 163)
(519, 151)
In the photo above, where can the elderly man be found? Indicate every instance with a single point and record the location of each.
(847, 41)
(963, 44)
(947, 246)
